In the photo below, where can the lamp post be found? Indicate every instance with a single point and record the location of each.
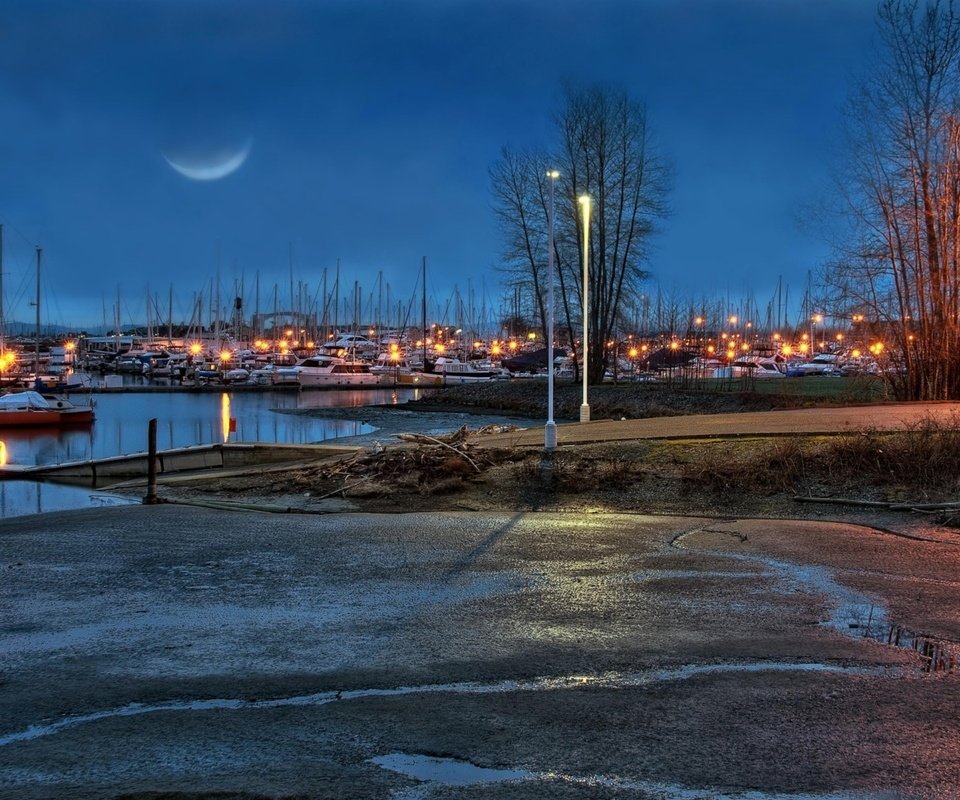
(550, 429)
(585, 206)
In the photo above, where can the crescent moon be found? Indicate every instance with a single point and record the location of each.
(212, 170)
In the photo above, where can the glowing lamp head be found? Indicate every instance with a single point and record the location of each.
(70, 346)
(633, 352)
(513, 346)
(196, 348)
(225, 355)
(553, 174)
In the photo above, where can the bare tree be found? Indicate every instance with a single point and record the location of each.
(901, 268)
(605, 150)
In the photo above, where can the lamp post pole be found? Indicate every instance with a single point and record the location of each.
(550, 429)
(585, 205)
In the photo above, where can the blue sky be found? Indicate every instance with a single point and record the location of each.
(371, 127)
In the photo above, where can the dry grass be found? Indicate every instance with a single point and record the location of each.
(923, 461)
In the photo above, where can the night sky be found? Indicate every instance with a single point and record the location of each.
(369, 127)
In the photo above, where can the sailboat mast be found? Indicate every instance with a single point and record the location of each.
(423, 308)
(3, 338)
(36, 374)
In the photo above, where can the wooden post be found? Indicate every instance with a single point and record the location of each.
(151, 498)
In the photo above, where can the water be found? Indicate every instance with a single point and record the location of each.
(189, 418)
(183, 419)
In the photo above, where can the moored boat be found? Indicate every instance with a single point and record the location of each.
(323, 370)
(25, 409)
(450, 372)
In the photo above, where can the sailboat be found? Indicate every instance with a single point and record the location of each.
(32, 408)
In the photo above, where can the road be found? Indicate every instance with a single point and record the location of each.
(187, 651)
(893, 416)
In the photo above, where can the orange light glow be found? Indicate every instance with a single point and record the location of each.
(634, 352)
(196, 348)
(513, 346)
(225, 416)
(496, 349)
(70, 346)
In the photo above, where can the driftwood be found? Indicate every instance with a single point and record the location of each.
(420, 438)
(843, 501)
(924, 508)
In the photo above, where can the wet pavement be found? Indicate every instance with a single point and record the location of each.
(485, 655)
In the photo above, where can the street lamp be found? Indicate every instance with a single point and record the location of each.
(585, 206)
(550, 429)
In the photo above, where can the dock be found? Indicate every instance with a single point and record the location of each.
(198, 458)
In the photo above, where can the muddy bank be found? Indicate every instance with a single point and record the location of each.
(528, 398)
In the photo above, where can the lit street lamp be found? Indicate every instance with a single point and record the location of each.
(550, 429)
(585, 204)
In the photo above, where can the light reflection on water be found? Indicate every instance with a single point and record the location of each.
(192, 418)
(183, 419)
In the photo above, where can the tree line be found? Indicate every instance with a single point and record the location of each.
(897, 258)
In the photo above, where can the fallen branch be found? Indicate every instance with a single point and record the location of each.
(843, 501)
(226, 505)
(923, 506)
(343, 489)
(419, 437)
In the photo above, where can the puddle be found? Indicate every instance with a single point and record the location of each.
(448, 771)
(437, 773)
(608, 680)
(852, 613)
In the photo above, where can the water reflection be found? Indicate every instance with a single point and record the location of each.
(225, 422)
(192, 418)
(18, 498)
